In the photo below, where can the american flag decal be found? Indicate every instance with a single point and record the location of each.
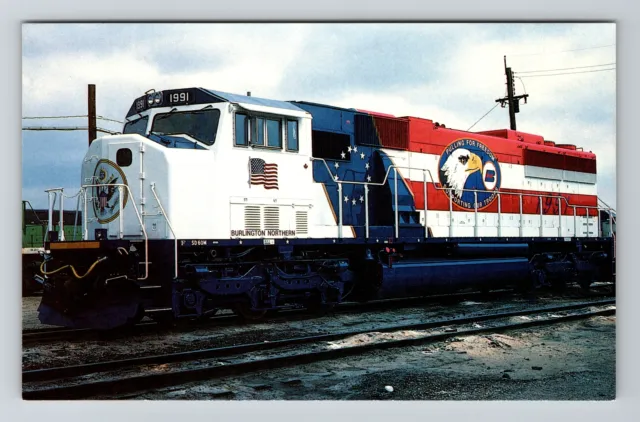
(263, 173)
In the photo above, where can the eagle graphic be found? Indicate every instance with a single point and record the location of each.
(458, 167)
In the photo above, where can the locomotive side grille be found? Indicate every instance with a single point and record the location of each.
(252, 217)
(271, 218)
(387, 132)
(302, 222)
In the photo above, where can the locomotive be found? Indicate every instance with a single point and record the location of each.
(210, 200)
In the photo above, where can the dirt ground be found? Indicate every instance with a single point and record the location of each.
(30, 319)
(574, 361)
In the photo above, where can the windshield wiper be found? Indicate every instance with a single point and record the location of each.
(192, 140)
(160, 135)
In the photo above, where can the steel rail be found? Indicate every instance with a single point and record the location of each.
(34, 336)
(79, 370)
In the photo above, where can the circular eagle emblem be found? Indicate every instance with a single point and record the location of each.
(467, 165)
(106, 203)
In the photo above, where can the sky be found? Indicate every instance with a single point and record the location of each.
(450, 73)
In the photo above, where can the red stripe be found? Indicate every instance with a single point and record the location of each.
(510, 204)
(556, 161)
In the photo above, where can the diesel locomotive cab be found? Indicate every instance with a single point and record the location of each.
(126, 181)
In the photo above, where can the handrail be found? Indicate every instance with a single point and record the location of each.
(612, 218)
(135, 208)
(50, 209)
(475, 191)
(608, 207)
(75, 220)
(166, 217)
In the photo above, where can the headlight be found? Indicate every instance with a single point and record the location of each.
(150, 99)
(157, 98)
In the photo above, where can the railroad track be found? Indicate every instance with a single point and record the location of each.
(73, 380)
(44, 335)
(38, 336)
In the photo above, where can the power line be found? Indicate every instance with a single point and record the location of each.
(485, 115)
(70, 117)
(67, 128)
(568, 73)
(53, 117)
(523, 87)
(563, 51)
(108, 119)
(566, 68)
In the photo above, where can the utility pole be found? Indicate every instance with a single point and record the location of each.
(93, 133)
(511, 99)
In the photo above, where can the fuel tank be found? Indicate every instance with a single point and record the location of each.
(435, 276)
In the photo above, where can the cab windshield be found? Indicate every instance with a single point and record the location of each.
(137, 126)
(201, 125)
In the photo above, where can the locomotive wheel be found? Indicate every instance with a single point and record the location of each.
(558, 285)
(318, 308)
(137, 317)
(585, 284)
(164, 319)
(243, 309)
(205, 318)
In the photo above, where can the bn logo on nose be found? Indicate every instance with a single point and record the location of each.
(468, 165)
(490, 178)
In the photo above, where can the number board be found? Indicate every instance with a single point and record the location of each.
(178, 97)
(141, 104)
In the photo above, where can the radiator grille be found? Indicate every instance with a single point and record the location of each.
(382, 131)
(271, 218)
(252, 217)
(302, 222)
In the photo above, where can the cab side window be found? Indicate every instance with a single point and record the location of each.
(257, 135)
(292, 135)
(241, 129)
(265, 131)
(274, 133)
